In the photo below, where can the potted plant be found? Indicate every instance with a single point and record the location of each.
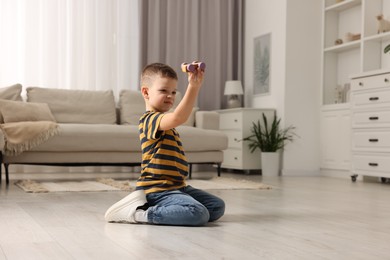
(269, 139)
(387, 49)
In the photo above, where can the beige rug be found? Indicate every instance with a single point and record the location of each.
(217, 183)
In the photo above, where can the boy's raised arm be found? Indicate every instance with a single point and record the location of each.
(184, 109)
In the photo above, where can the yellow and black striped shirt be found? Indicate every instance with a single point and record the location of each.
(164, 165)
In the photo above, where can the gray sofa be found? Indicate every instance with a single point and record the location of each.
(92, 128)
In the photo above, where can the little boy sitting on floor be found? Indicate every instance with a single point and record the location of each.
(162, 196)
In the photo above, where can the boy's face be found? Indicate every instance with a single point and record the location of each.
(160, 96)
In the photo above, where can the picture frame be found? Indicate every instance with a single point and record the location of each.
(262, 63)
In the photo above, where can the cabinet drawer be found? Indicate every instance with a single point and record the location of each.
(230, 120)
(232, 159)
(376, 81)
(372, 98)
(374, 141)
(371, 163)
(371, 119)
(234, 139)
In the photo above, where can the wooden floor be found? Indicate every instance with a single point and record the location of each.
(301, 218)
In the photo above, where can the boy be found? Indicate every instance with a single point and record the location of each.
(162, 196)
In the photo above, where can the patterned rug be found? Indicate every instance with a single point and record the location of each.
(107, 184)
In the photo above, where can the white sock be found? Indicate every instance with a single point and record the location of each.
(141, 216)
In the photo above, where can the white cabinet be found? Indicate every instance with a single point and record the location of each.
(336, 138)
(370, 103)
(236, 123)
(360, 53)
(351, 45)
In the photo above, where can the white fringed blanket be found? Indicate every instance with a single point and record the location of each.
(23, 136)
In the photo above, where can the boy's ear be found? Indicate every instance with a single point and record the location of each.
(145, 92)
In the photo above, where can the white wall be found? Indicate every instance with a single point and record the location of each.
(302, 89)
(261, 17)
(295, 73)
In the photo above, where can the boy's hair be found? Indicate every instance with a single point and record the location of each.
(156, 69)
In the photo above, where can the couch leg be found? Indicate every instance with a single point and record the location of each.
(219, 169)
(190, 170)
(6, 173)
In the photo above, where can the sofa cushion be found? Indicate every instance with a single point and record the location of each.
(124, 138)
(94, 138)
(10, 93)
(76, 106)
(16, 111)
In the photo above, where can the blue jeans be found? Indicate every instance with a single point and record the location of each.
(185, 207)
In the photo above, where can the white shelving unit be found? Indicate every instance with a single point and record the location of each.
(340, 61)
(352, 57)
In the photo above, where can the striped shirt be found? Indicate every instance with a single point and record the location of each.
(164, 165)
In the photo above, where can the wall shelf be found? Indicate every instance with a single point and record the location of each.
(351, 57)
(378, 37)
(344, 47)
(342, 6)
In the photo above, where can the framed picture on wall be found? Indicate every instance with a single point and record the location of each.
(261, 66)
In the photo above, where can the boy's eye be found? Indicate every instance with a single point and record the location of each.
(166, 91)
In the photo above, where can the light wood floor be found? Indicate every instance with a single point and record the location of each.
(301, 218)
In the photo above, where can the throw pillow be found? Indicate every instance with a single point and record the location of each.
(14, 111)
(132, 106)
(10, 93)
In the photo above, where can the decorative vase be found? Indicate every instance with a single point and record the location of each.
(270, 163)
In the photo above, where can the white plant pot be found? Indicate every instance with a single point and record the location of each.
(270, 164)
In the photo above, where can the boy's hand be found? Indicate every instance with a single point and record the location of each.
(195, 79)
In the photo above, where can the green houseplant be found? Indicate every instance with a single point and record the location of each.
(387, 49)
(269, 139)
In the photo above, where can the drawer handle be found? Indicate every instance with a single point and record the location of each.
(235, 158)
(373, 164)
(235, 140)
(374, 98)
(373, 140)
(386, 80)
(360, 83)
(235, 120)
(373, 118)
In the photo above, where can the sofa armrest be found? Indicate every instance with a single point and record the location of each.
(207, 120)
